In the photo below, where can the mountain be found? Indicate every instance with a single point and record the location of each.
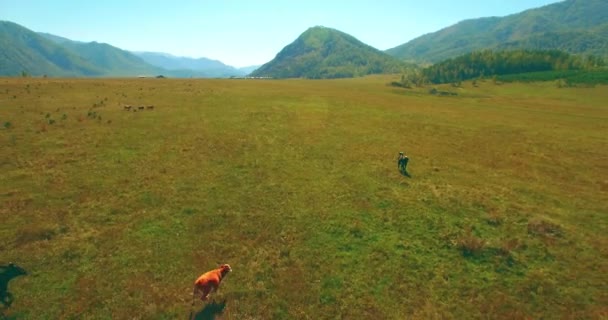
(209, 67)
(593, 41)
(24, 51)
(112, 60)
(322, 52)
(575, 26)
(249, 69)
(56, 39)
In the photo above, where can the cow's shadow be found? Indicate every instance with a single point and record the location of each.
(8, 273)
(211, 310)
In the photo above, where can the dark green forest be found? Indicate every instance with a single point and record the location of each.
(562, 77)
(488, 63)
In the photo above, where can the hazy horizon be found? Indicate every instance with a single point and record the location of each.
(244, 33)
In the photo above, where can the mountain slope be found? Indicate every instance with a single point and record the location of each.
(55, 38)
(22, 50)
(112, 60)
(25, 51)
(593, 41)
(322, 52)
(576, 26)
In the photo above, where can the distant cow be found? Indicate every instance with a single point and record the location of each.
(141, 107)
(127, 108)
(150, 107)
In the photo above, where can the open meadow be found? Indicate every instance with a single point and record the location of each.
(294, 183)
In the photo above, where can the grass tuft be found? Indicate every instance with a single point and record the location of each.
(544, 228)
(469, 244)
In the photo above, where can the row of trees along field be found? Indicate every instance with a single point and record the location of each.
(490, 63)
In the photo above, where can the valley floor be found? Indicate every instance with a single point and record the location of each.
(114, 213)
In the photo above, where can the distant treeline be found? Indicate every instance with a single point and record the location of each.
(565, 77)
(489, 63)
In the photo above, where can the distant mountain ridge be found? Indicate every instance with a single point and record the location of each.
(23, 51)
(57, 39)
(248, 69)
(171, 62)
(322, 52)
(212, 68)
(574, 26)
(112, 60)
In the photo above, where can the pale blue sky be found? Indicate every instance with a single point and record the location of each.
(240, 32)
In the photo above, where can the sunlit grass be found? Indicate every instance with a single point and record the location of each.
(294, 183)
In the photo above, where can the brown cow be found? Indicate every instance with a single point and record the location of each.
(208, 282)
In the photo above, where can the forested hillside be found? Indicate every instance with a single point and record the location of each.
(489, 63)
(574, 26)
(322, 52)
(23, 51)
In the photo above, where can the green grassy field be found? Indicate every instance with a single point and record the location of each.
(294, 183)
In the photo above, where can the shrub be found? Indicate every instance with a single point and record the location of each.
(544, 228)
(469, 244)
(509, 245)
(34, 232)
(494, 218)
(188, 211)
(562, 83)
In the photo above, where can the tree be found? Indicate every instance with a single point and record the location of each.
(492, 63)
